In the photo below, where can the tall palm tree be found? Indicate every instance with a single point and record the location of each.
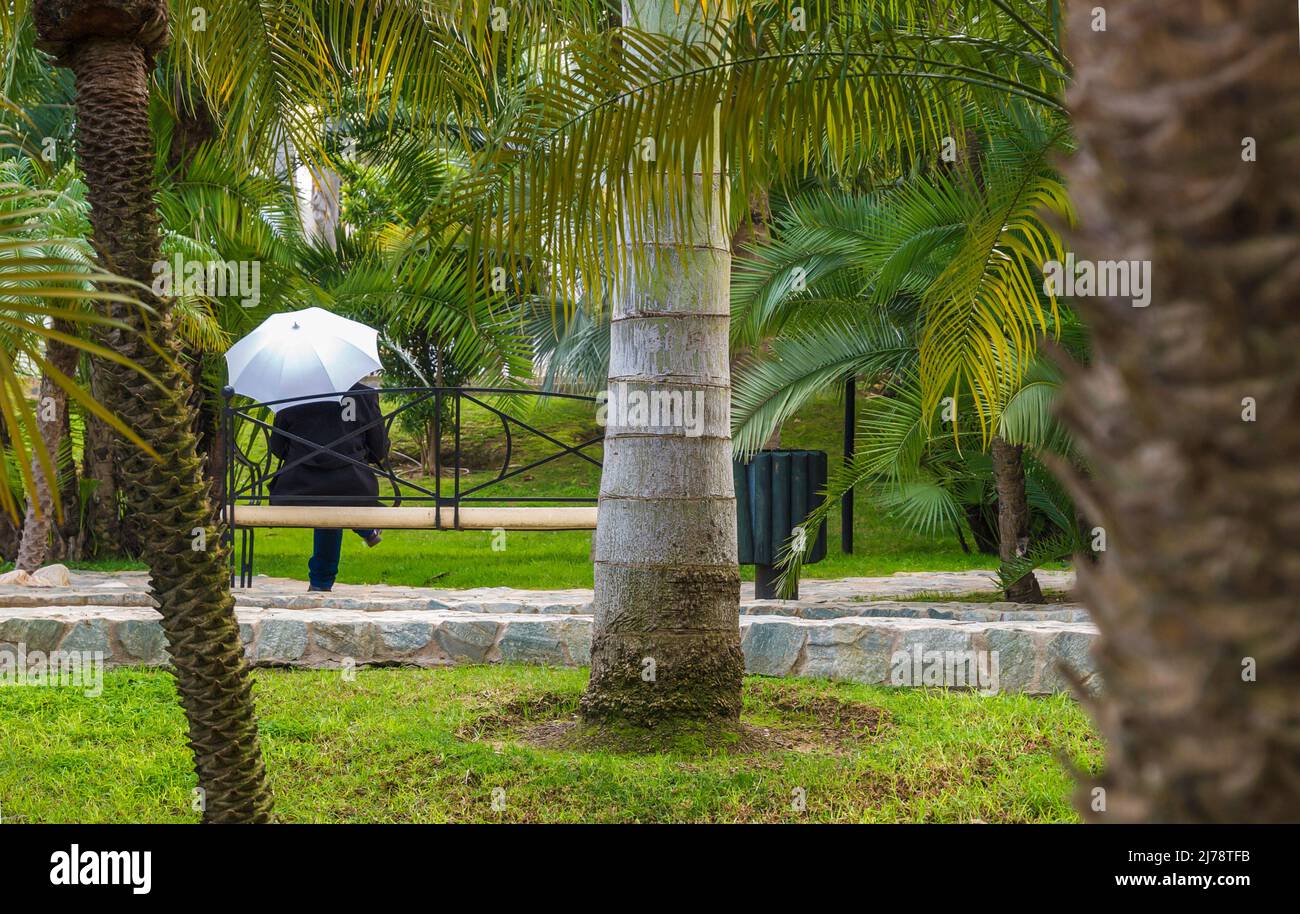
(1188, 116)
(666, 643)
(110, 46)
(625, 164)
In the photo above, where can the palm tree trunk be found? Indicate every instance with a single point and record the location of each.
(1189, 412)
(1013, 518)
(666, 643)
(51, 413)
(188, 574)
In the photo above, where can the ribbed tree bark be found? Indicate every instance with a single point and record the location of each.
(51, 415)
(666, 643)
(1013, 517)
(1189, 412)
(109, 44)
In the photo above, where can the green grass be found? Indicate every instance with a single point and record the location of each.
(400, 746)
(563, 559)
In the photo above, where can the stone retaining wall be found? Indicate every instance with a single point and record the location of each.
(861, 648)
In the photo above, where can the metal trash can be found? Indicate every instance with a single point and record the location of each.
(775, 493)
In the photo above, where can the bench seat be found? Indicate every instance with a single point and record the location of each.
(417, 518)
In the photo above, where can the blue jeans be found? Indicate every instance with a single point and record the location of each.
(323, 567)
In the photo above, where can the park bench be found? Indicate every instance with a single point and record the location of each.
(408, 504)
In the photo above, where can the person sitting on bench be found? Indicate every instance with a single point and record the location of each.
(324, 472)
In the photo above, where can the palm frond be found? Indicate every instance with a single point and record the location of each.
(770, 389)
(38, 289)
(604, 147)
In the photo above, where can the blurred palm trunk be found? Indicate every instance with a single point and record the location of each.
(1189, 412)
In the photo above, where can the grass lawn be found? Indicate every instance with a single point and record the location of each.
(401, 745)
(563, 559)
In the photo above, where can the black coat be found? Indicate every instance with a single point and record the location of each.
(323, 472)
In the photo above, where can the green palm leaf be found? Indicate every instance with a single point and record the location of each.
(39, 286)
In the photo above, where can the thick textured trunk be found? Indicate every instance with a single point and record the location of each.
(183, 547)
(52, 419)
(1189, 412)
(1013, 517)
(37, 523)
(666, 646)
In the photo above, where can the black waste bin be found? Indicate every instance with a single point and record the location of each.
(775, 492)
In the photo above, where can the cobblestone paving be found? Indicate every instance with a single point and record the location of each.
(130, 588)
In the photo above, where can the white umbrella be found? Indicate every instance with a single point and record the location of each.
(301, 353)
